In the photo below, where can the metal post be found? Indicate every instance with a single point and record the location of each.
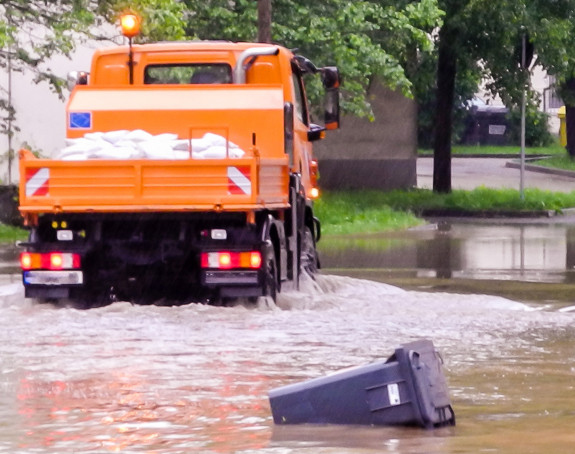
(10, 107)
(522, 172)
(131, 61)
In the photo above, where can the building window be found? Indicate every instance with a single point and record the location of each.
(551, 99)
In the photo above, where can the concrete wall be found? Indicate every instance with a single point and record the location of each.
(373, 155)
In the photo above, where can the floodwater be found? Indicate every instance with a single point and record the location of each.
(195, 378)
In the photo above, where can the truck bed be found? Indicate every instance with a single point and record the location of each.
(144, 185)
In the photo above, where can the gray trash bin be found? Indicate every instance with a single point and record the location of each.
(409, 388)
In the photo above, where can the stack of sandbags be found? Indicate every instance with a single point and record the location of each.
(139, 144)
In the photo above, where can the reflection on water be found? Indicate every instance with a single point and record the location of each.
(195, 378)
(535, 253)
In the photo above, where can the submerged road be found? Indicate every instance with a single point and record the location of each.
(469, 173)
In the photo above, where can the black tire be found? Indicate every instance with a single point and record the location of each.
(271, 283)
(308, 253)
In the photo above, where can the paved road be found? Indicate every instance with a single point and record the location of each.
(469, 173)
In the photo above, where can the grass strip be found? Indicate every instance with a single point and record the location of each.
(462, 150)
(378, 211)
(9, 233)
(564, 162)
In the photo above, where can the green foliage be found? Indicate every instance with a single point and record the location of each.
(32, 32)
(376, 211)
(490, 33)
(536, 127)
(511, 150)
(563, 162)
(365, 212)
(162, 20)
(10, 234)
(365, 39)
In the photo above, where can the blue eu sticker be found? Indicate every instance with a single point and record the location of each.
(80, 120)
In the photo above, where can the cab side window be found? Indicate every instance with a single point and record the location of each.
(300, 105)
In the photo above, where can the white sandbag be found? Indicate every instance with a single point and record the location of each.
(166, 137)
(199, 145)
(93, 135)
(86, 147)
(79, 148)
(215, 152)
(115, 153)
(123, 144)
(179, 154)
(180, 145)
(115, 136)
(75, 157)
(138, 135)
(156, 150)
(127, 144)
(70, 142)
(216, 140)
(236, 153)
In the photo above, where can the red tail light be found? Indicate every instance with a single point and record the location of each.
(228, 260)
(49, 260)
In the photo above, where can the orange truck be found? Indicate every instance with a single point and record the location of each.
(188, 174)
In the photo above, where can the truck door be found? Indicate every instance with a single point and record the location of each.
(302, 146)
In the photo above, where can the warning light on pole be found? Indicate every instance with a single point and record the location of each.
(130, 24)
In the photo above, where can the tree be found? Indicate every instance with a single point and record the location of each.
(365, 39)
(489, 34)
(553, 25)
(473, 39)
(32, 32)
(265, 21)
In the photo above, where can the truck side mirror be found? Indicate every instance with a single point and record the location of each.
(77, 78)
(331, 80)
(315, 132)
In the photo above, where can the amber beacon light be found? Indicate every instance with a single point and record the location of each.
(130, 24)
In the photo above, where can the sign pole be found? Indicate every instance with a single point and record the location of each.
(522, 172)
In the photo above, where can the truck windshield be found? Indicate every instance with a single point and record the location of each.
(182, 74)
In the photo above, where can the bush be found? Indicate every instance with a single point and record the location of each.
(536, 128)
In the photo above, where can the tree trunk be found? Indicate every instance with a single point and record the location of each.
(568, 90)
(265, 21)
(446, 72)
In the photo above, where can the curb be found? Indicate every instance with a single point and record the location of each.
(540, 169)
(491, 214)
(487, 156)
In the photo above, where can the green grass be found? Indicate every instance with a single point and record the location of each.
(9, 234)
(376, 211)
(458, 150)
(563, 162)
(361, 212)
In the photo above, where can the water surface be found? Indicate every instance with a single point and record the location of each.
(195, 378)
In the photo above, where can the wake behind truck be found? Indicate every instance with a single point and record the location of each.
(188, 173)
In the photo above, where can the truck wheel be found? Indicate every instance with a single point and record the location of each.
(308, 256)
(271, 285)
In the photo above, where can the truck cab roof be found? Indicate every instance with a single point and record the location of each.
(109, 65)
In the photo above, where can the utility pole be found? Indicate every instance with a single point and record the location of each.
(265, 21)
(10, 107)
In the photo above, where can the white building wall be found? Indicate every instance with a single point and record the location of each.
(40, 113)
(542, 83)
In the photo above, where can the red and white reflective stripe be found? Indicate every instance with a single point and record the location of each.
(37, 181)
(239, 180)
